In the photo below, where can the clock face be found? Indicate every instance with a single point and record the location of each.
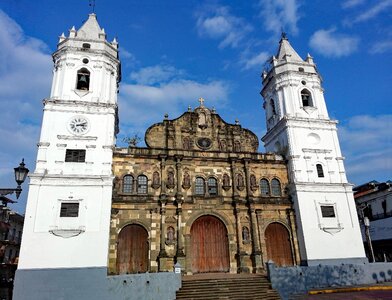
(78, 125)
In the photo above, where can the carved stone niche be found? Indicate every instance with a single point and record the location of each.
(240, 182)
(253, 183)
(156, 180)
(226, 182)
(170, 183)
(186, 181)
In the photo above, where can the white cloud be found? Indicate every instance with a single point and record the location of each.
(372, 12)
(332, 44)
(367, 147)
(218, 23)
(352, 3)
(280, 14)
(155, 74)
(140, 105)
(381, 47)
(25, 78)
(255, 61)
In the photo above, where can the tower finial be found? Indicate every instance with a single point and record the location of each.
(283, 35)
(92, 5)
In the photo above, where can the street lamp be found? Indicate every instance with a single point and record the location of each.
(366, 222)
(20, 176)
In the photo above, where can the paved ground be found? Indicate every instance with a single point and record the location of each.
(362, 295)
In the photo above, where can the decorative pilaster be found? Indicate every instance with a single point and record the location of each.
(163, 174)
(256, 253)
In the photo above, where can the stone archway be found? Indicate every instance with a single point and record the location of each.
(210, 245)
(132, 250)
(278, 244)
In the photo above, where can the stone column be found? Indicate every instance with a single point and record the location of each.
(163, 175)
(294, 239)
(188, 262)
(241, 254)
(256, 253)
(233, 171)
(180, 255)
(179, 176)
(247, 178)
(162, 252)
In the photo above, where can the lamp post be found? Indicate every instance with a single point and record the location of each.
(20, 176)
(366, 222)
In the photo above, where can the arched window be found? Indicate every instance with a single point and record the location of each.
(83, 80)
(212, 186)
(128, 184)
(199, 186)
(306, 98)
(320, 172)
(142, 184)
(275, 187)
(273, 109)
(264, 187)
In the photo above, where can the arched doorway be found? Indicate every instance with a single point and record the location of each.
(278, 245)
(132, 250)
(210, 245)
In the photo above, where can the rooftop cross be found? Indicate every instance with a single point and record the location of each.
(92, 4)
(201, 100)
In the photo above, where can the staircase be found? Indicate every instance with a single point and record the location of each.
(226, 286)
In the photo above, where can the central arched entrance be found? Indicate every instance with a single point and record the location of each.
(210, 245)
(278, 245)
(132, 250)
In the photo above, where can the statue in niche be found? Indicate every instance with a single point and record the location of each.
(170, 179)
(245, 235)
(253, 183)
(186, 143)
(170, 236)
(202, 120)
(237, 146)
(240, 182)
(226, 182)
(186, 182)
(222, 145)
(156, 180)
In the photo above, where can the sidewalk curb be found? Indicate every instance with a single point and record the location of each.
(350, 289)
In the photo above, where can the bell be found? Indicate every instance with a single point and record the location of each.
(83, 83)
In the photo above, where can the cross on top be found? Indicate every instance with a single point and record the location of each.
(201, 100)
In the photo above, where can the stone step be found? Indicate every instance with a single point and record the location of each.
(226, 286)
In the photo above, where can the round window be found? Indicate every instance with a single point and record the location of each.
(85, 60)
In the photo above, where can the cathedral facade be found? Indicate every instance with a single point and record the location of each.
(200, 194)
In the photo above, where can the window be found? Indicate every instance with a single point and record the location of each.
(306, 98)
(83, 79)
(86, 46)
(273, 109)
(275, 187)
(212, 187)
(264, 187)
(327, 211)
(142, 184)
(199, 186)
(301, 70)
(75, 155)
(69, 210)
(128, 184)
(320, 172)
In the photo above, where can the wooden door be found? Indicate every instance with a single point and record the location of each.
(210, 245)
(278, 245)
(132, 250)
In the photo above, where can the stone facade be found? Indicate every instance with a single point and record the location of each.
(198, 165)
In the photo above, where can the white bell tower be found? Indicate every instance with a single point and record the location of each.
(68, 209)
(298, 127)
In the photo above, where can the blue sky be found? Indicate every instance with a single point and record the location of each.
(174, 52)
